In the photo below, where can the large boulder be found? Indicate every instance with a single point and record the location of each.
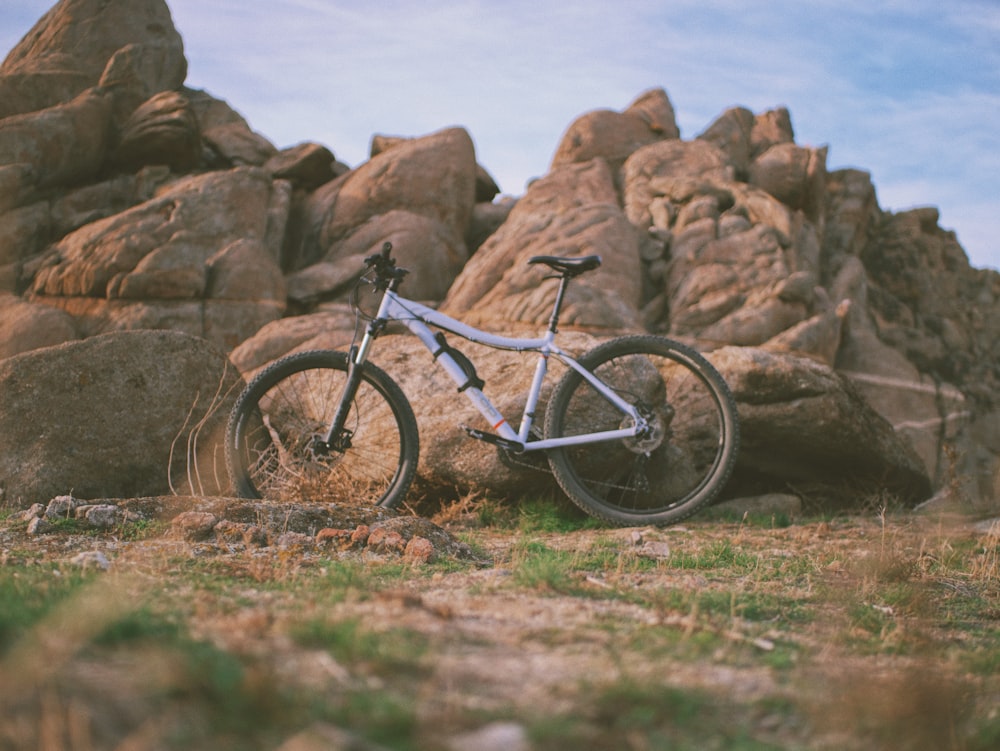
(63, 144)
(71, 48)
(201, 256)
(572, 211)
(25, 326)
(921, 339)
(228, 139)
(162, 130)
(333, 326)
(805, 425)
(614, 136)
(735, 264)
(121, 415)
(795, 175)
(419, 194)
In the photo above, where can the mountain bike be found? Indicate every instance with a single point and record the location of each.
(639, 430)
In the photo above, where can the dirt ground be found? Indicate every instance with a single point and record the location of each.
(865, 631)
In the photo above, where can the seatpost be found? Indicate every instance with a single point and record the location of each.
(554, 320)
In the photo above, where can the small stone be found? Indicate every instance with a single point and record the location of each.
(654, 549)
(193, 525)
(497, 736)
(39, 526)
(341, 538)
(419, 550)
(360, 535)
(771, 503)
(989, 527)
(386, 541)
(102, 516)
(36, 511)
(91, 559)
(295, 541)
(61, 507)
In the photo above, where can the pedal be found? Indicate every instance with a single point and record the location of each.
(493, 438)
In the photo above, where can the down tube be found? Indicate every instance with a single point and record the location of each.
(479, 400)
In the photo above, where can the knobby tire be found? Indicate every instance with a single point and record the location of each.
(666, 476)
(272, 449)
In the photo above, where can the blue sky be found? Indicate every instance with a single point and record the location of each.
(908, 90)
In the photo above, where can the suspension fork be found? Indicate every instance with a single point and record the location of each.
(337, 437)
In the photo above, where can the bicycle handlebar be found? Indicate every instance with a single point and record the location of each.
(387, 273)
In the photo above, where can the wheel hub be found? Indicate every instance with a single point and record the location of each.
(653, 434)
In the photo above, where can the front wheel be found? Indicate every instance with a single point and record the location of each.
(274, 439)
(677, 465)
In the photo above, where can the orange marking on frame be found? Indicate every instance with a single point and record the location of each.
(495, 427)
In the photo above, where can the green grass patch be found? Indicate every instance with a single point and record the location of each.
(552, 515)
(721, 554)
(650, 716)
(385, 652)
(28, 594)
(539, 567)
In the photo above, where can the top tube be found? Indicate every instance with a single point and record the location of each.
(401, 309)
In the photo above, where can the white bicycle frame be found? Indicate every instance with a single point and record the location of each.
(418, 318)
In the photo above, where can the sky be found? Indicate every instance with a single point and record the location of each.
(907, 90)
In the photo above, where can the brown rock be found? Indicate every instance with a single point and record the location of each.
(26, 326)
(163, 130)
(307, 165)
(171, 262)
(382, 540)
(69, 48)
(572, 211)
(794, 175)
(193, 526)
(341, 538)
(24, 232)
(419, 550)
(229, 138)
(802, 422)
(113, 416)
(418, 194)
(64, 144)
(731, 134)
(769, 129)
(360, 535)
(614, 136)
(330, 328)
(677, 170)
(433, 176)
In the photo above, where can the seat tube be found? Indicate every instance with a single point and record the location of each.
(534, 393)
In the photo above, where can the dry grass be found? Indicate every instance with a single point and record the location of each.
(874, 631)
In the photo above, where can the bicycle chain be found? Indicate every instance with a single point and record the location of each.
(534, 460)
(515, 461)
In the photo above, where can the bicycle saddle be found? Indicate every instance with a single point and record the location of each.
(569, 267)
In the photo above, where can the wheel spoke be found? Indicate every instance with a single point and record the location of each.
(678, 464)
(275, 445)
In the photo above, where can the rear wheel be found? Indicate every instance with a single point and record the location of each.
(274, 439)
(678, 465)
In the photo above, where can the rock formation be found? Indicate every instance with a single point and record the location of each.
(123, 414)
(862, 347)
